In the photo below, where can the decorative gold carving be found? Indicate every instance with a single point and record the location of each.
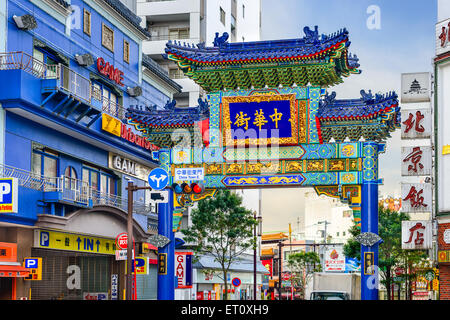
(353, 165)
(293, 166)
(234, 168)
(336, 165)
(348, 150)
(302, 104)
(259, 167)
(348, 178)
(330, 191)
(215, 168)
(315, 165)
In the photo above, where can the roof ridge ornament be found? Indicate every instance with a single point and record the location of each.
(329, 99)
(203, 107)
(366, 96)
(170, 105)
(220, 41)
(311, 36)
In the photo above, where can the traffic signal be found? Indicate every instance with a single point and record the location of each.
(177, 188)
(186, 188)
(197, 188)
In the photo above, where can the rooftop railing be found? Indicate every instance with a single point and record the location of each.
(74, 83)
(29, 179)
(67, 79)
(73, 190)
(22, 61)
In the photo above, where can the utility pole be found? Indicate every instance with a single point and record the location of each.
(131, 188)
(254, 258)
(325, 231)
(280, 245)
(290, 252)
(257, 235)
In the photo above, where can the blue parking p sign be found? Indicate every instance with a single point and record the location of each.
(8, 195)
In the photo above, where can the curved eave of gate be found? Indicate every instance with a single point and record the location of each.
(159, 124)
(370, 117)
(317, 59)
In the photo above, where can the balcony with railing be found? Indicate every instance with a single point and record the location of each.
(74, 192)
(61, 89)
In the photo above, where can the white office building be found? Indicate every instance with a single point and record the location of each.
(327, 218)
(195, 21)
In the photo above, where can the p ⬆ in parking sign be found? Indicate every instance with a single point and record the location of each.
(8, 195)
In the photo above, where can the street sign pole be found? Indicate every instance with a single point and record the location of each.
(166, 280)
(369, 222)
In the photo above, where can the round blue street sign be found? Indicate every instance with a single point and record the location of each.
(158, 179)
(236, 282)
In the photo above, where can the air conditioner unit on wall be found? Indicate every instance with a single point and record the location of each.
(25, 22)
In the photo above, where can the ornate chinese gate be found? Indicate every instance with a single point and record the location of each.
(268, 122)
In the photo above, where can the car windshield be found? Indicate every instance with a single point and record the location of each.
(328, 296)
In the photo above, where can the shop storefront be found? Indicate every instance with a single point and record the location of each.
(75, 276)
(209, 284)
(75, 266)
(10, 271)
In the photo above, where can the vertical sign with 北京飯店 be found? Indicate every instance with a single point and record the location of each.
(416, 152)
(417, 234)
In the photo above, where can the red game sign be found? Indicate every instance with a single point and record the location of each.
(108, 70)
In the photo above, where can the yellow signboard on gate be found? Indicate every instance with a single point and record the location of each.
(73, 242)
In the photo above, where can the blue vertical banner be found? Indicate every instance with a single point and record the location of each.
(166, 280)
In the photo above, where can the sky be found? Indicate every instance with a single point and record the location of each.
(390, 37)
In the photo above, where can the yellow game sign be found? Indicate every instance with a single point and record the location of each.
(73, 242)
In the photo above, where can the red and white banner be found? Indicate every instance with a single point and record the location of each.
(183, 269)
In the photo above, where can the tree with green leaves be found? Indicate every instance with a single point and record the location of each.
(222, 228)
(302, 266)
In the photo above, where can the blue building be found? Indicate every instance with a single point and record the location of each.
(68, 72)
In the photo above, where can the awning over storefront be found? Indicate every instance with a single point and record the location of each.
(13, 270)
